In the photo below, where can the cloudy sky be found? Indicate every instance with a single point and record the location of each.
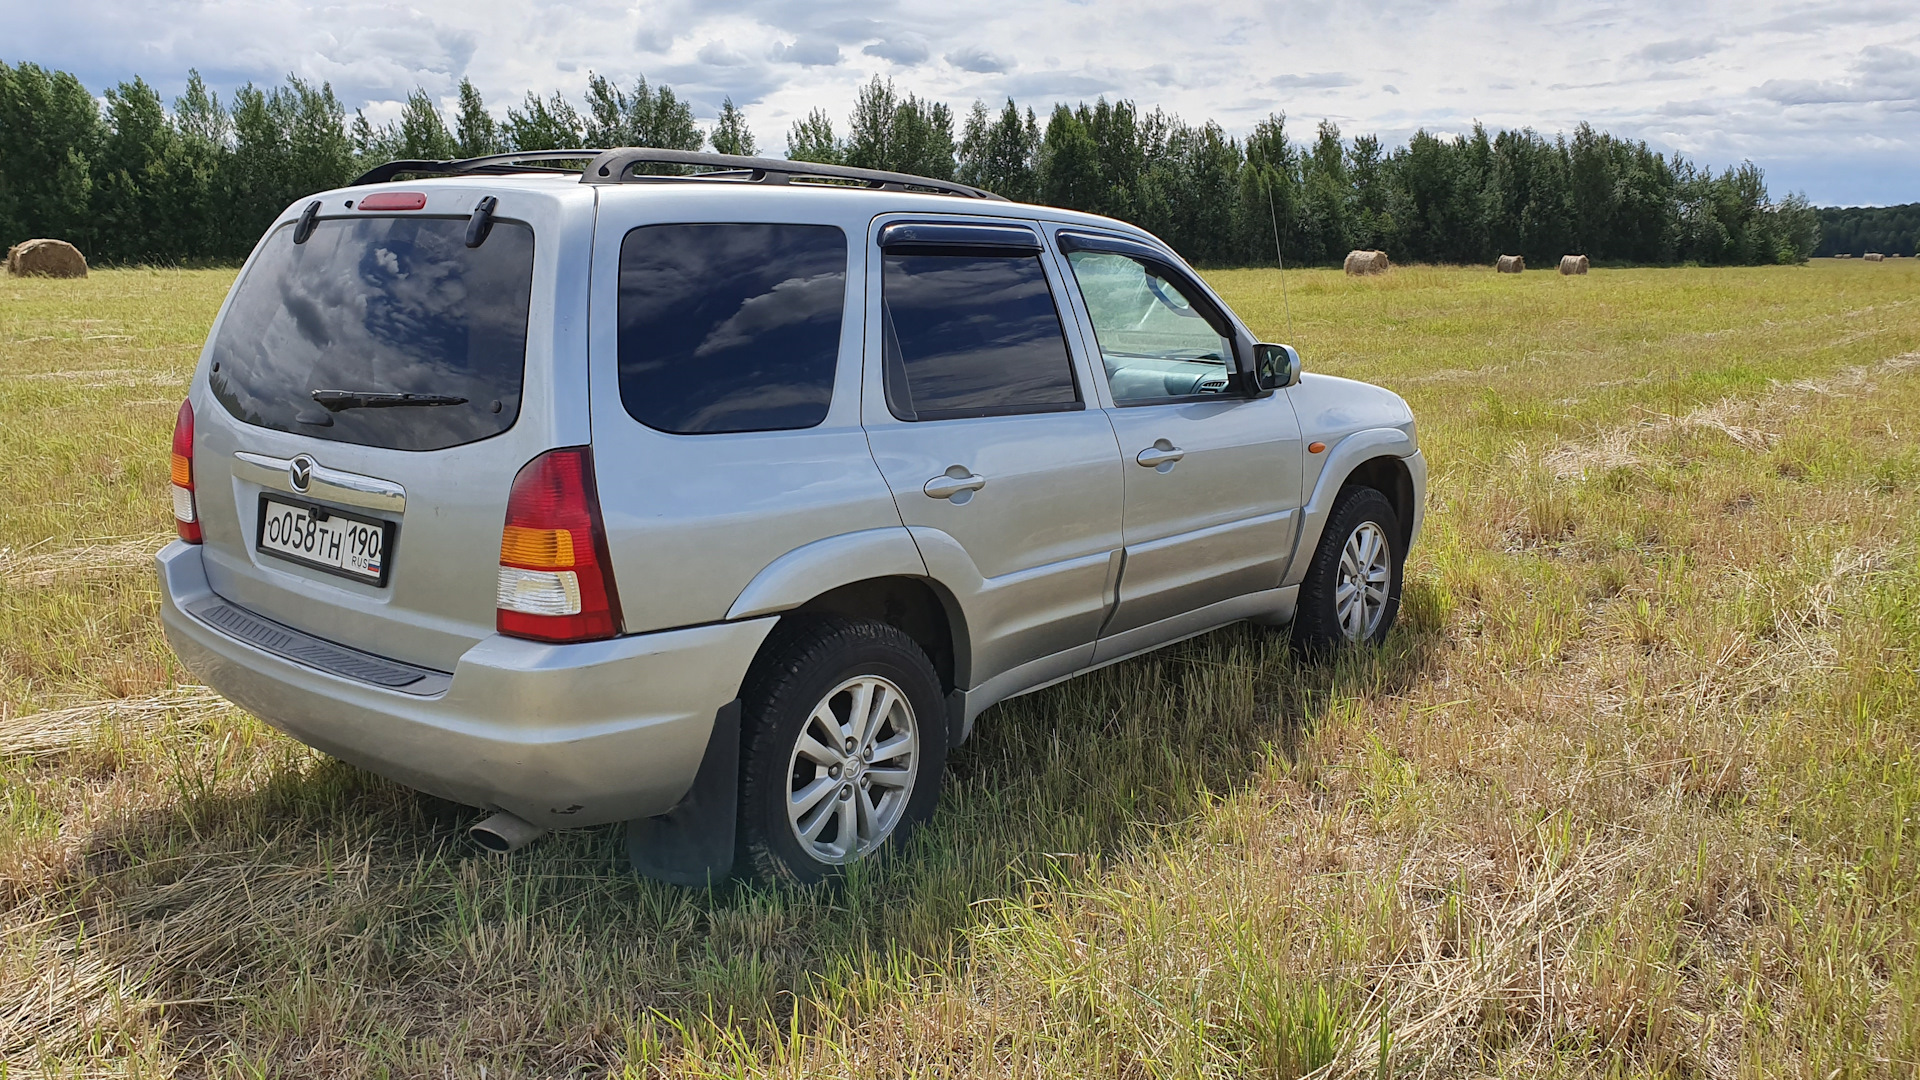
(1824, 95)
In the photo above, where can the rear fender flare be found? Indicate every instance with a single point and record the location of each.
(824, 565)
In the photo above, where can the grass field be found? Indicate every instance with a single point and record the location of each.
(1631, 792)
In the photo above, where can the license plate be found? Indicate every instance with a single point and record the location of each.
(326, 539)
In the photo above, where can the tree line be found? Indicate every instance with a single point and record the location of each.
(1856, 230)
(129, 179)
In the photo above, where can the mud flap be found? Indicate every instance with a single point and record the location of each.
(692, 845)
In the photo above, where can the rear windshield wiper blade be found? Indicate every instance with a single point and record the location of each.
(341, 400)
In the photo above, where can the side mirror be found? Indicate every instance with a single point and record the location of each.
(1276, 366)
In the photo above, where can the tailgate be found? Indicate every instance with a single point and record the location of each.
(366, 397)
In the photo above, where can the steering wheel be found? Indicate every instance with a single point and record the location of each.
(1173, 299)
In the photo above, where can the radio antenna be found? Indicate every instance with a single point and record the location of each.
(1282, 260)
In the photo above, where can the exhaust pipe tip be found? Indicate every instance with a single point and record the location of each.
(503, 832)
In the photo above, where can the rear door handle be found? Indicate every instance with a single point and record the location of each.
(957, 484)
(1161, 455)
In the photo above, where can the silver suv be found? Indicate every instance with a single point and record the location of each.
(720, 495)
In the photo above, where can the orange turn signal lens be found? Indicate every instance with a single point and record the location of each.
(541, 549)
(182, 471)
(1316, 447)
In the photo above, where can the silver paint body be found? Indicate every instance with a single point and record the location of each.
(1055, 545)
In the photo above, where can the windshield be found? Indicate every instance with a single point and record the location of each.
(375, 308)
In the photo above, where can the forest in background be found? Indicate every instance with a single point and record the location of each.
(1856, 230)
(130, 180)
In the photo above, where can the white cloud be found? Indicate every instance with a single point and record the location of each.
(978, 60)
(906, 49)
(807, 52)
(1792, 85)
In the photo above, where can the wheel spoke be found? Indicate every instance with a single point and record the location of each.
(822, 724)
(868, 815)
(890, 778)
(1343, 594)
(859, 714)
(810, 829)
(817, 752)
(898, 746)
(809, 797)
(848, 841)
(882, 710)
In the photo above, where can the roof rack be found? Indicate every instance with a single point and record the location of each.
(617, 166)
(488, 164)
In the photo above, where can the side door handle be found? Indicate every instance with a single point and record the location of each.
(1160, 456)
(957, 484)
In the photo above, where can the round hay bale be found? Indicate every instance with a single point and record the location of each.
(1367, 262)
(1874, 256)
(1573, 264)
(1511, 264)
(46, 258)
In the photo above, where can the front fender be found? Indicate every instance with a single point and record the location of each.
(1342, 458)
(824, 565)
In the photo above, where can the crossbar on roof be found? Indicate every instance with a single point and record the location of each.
(617, 166)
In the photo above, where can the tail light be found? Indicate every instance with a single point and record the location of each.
(556, 581)
(186, 516)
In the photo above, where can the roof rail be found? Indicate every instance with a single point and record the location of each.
(490, 163)
(616, 166)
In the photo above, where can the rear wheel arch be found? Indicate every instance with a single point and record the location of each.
(918, 607)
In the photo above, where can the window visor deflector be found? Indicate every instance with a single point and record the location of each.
(930, 236)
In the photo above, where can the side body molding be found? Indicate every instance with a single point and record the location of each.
(811, 569)
(1342, 458)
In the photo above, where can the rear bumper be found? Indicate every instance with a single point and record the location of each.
(561, 735)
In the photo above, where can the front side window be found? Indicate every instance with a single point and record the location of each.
(1154, 342)
(734, 327)
(972, 334)
(382, 331)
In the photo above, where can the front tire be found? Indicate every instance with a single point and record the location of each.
(1351, 593)
(845, 743)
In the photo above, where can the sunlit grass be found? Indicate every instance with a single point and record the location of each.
(1633, 791)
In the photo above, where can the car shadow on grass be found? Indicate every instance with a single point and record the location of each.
(327, 917)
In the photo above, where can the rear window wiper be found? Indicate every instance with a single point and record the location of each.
(341, 400)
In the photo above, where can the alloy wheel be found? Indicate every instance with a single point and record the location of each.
(1366, 572)
(851, 772)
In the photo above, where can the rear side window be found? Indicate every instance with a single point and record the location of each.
(730, 327)
(973, 334)
(379, 307)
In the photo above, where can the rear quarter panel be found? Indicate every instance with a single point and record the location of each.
(693, 519)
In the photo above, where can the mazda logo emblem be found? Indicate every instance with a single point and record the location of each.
(300, 471)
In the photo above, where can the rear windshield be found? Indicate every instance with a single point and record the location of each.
(374, 308)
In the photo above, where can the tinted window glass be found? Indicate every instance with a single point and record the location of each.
(380, 305)
(730, 327)
(1154, 343)
(970, 335)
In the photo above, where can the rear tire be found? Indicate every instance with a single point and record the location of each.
(844, 744)
(1351, 593)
